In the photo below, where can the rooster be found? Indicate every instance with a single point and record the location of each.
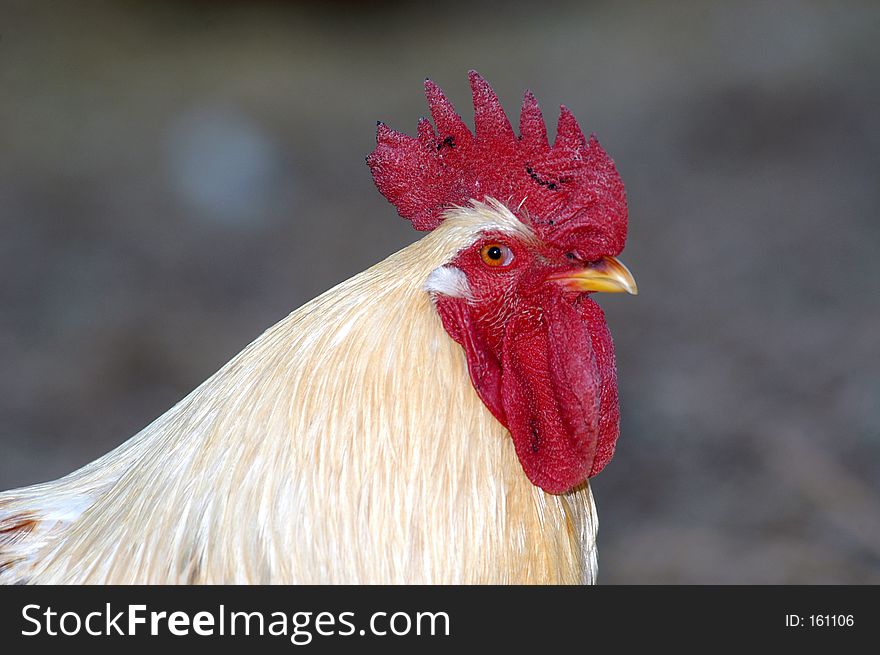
(434, 419)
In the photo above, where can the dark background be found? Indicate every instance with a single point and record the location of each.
(176, 177)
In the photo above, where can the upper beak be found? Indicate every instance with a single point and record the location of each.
(607, 274)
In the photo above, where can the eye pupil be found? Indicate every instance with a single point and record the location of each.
(494, 252)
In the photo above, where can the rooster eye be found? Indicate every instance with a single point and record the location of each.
(496, 254)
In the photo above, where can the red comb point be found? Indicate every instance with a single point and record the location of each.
(532, 129)
(570, 192)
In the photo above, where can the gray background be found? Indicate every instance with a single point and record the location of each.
(176, 177)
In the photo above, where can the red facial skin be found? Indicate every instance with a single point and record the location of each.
(541, 358)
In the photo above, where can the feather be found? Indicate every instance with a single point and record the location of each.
(344, 445)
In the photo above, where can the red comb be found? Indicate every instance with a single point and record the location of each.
(570, 192)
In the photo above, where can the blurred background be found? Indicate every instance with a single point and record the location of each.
(176, 177)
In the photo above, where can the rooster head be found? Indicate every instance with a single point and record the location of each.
(552, 220)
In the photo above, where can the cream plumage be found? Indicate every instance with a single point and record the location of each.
(345, 445)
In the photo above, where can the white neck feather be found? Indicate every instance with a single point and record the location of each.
(345, 445)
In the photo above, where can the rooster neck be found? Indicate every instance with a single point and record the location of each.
(345, 444)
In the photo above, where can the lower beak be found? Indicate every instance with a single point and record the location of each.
(607, 274)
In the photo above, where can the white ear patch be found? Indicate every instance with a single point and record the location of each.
(450, 281)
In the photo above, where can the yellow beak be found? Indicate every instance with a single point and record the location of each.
(607, 274)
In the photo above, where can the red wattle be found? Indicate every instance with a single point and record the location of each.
(551, 381)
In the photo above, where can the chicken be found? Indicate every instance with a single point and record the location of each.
(434, 419)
